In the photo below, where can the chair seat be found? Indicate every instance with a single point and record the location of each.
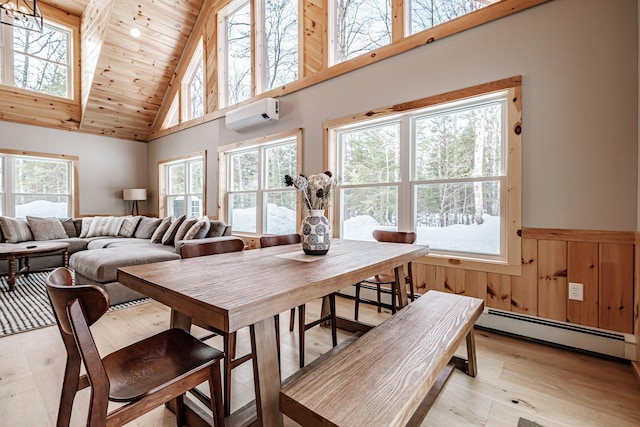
(142, 368)
(381, 279)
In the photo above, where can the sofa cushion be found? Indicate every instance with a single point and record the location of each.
(184, 227)
(162, 228)
(86, 225)
(217, 229)
(170, 234)
(146, 227)
(102, 265)
(110, 241)
(15, 230)
(128, 227)
(105, 226)
(69, 227)
(198, 230)
(46, 228)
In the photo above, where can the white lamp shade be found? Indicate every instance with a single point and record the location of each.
(134, 194)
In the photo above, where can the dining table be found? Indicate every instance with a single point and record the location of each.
(234, 290)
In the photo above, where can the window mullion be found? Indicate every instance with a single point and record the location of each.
(405, 205)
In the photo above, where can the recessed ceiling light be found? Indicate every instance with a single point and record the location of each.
(135, 32)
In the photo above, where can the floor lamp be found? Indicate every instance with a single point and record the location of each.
(134, 194)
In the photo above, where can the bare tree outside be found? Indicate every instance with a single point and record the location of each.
(239, 54)
(360, 26)
(280, 31)
(425, 14)
(196, 90)
(41, 60)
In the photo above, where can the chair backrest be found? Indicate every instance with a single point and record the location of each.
(93, 300)
(281, 239)
(224, 245)
(395, 236)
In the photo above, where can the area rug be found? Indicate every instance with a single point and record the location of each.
(27, 307)
(522, 422)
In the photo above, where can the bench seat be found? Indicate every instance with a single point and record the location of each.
(385, 377)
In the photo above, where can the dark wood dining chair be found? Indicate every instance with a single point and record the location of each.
(382, 281)
(220, 246)
(289, 239)
(144, 375)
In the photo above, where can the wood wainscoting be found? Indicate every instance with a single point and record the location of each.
(603, 261)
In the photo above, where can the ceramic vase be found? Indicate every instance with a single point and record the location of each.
(315, 233)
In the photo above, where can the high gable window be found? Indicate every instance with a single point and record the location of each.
(425, 14)
(235, 63)
(193, 86)
(36, 61)
(279, 43)
(360, 26)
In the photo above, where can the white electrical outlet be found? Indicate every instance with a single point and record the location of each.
(576, 291)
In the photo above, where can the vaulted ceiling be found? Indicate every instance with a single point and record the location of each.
(124, 79)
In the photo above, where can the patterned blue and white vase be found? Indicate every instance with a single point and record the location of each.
(315, 233)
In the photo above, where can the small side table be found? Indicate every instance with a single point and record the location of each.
(13, 252)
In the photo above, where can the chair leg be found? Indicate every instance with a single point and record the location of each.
(301, 321)
(394, 292)
(332, 306)
(355, 314)
(379, 299)
(292, 318)
(69, 390)
(215, 390)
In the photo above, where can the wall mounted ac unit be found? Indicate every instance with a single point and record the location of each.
(263, 110)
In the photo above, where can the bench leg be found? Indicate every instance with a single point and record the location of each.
(472, 369)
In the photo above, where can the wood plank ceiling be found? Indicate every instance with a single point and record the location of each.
(124, 78)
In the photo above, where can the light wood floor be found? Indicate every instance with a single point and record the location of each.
(516, 378)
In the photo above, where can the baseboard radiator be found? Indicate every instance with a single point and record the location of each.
(592, 340)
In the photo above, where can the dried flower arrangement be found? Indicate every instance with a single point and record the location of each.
(316, 188)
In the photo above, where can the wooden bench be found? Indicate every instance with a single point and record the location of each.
(392, 374)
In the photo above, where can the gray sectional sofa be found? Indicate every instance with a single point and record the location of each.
(99, 245)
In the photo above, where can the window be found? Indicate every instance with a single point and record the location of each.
(280, 43)
(450, 171)
(254, 197)
(182, 186)
(193, 87)
(36, 61)
(172, 118)
(37, 185)
(425, 14)
(235, 63)
(359, 26)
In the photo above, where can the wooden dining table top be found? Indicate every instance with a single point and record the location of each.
(233, 290)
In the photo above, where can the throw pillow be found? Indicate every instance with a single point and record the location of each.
(86, 225)
(105, 226)
(46, 228)
(15, 230)
(156, 237)
(128, 227)
(146, 227)
(198, 230)
(217, 229)
(184, 227)
(69, 227)
(170, 234)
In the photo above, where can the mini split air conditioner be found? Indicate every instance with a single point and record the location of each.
(261, 111)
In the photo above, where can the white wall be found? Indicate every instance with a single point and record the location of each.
(105, 167)
(579, 62)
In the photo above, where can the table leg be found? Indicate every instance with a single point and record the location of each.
(11, 280)
(401, 287)
(180, 321)
(266, 373)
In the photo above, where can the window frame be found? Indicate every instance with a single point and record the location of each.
(7, 195)
(511, 262)
(7, 67)
(162, 182)
(260, 144)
